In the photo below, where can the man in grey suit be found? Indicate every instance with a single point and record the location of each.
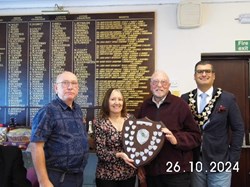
(219, 153)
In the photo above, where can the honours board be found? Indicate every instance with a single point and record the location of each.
(103, 50)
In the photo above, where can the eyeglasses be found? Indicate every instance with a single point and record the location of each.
(66, 84)
(201, 71)
(156, 82)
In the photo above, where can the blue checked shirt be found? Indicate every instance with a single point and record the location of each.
(64, 134)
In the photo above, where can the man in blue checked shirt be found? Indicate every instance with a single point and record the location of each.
(59, 145)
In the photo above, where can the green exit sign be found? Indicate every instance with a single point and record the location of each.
(242, 45)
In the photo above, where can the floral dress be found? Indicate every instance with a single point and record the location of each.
(108, 142)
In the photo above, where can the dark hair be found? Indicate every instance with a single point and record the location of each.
(104, 113)
(203, 63)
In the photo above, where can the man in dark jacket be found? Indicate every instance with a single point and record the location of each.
(171, 167)
(220, 151)
(13, 172)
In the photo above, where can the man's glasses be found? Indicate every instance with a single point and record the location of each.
(66, 84)
(201, 71)
(156, 82)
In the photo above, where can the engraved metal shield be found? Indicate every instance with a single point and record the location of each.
(142, 139)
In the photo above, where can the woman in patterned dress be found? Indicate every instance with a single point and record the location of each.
(114, 167)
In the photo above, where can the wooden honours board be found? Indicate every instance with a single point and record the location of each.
(103, 50)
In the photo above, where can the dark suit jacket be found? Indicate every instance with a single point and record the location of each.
(218, 145)
(12, 170)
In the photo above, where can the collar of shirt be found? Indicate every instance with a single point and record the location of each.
(64, 105)
(209, 93)
(161, 101)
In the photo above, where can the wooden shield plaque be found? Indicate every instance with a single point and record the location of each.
(142, 139)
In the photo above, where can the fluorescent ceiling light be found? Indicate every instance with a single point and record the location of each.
(57, 10)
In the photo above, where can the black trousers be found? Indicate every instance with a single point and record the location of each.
(112, 183)
(170, 180)
(61, 179)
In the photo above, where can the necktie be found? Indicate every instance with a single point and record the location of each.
(203, 101)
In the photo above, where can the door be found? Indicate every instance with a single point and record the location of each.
(232, 74)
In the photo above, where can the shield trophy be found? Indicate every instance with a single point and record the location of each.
(142, 139)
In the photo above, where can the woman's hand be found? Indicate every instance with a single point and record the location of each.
(126, 159)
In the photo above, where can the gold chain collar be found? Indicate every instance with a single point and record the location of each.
(202, 117)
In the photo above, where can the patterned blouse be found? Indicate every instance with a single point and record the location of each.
(108, 142)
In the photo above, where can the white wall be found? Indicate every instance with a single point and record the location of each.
(177, 50)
